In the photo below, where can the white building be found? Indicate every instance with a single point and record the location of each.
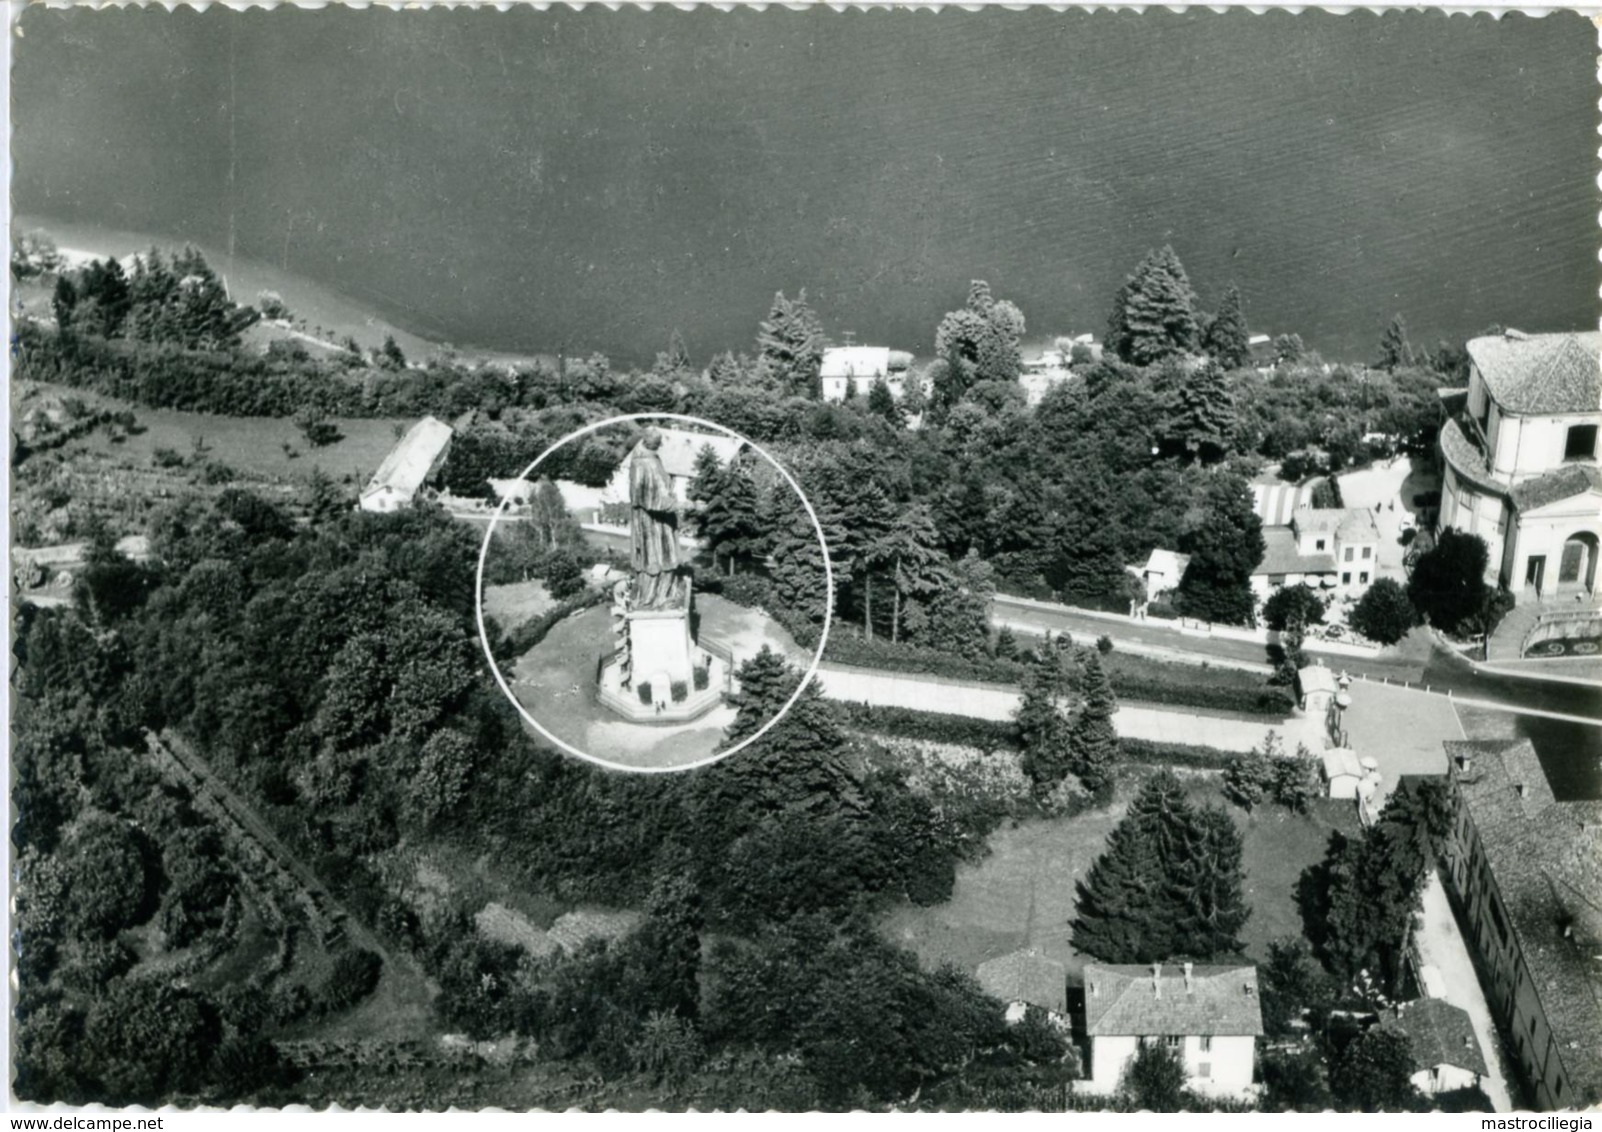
(1210, 1016)
(856, 368)
(408, 466)
(1444, 1047)
(1522, 460)
(1162, 571)
(1334, 548)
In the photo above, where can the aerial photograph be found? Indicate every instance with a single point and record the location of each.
(878, 559)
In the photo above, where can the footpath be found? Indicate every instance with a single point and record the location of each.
(999, 702)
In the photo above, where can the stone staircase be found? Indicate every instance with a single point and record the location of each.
(1507, 641)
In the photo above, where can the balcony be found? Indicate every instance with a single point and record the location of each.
(1463, 445)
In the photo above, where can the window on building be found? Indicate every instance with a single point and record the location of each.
(1346, 577)
(1207, 1043)
(1581, 443)
(1205, 1070)
(1174, 1041)
(1276, 580)
(1499, 921)
(1319, 545)
(1557, 1091)
(1363, 577)
(1350, 551)
(1368, 552)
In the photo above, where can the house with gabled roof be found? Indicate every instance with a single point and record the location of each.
(1445, 1049)
(1026, 978)
(408, 466)
(1210, 1016)
(1523, 463)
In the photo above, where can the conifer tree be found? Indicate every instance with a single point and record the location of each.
(1041, 725)
(882, 403)
(1224, 547)
(1092, 740)
(1168, 883)
(1395, 349)
(1157, 318)
(1227, 338)
(1201, 423)
(791, 345)
(678, 357)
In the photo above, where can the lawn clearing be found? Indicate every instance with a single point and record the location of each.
(513, 604)
(1023, 893)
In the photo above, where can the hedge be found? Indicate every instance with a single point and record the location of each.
(931, 726)
(846, 649)
(1147, 689)
(1175, 754)
(531, 633)
(935, 727)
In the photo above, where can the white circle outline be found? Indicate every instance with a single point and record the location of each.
(817, 657)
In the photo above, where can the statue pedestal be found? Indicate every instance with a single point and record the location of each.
(659, 675)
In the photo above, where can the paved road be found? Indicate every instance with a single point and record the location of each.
(1159, 635)
(1440, 945)
(1000, 702)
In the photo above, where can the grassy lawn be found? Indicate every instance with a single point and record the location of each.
(1022, 894)
(250, 445)
(516, 602)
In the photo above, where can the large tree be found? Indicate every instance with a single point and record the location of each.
(1092, 740)
(1201, 415)
(1448, 581)
(1227, 338)
(790, 345)
(1384, 613)
(1154, 315)
(1041, 724)
(1225, 546)
(980, 342)
(1168, 883)
(1395, 350)
(1373, 1073)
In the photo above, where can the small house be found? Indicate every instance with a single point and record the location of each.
(1348, 534)
(1445, 1048)
(1026, 978)
(1211, 1017)
(1319, 688)
(409, 465)
(1162, 571)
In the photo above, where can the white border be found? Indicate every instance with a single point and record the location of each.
(828, 605)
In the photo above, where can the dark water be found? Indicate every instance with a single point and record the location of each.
(532, 180)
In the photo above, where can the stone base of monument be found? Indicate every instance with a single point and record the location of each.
(662, 676)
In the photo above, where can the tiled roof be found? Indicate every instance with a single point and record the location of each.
(1026, 976)
(1126, 1001)
(1280, 555)
(1546, 857)
(1440, 1034)
(1353, 524)
(1565, 483)
(1467, 459)
(1340, 761)
(1541, 373)
(410, 461)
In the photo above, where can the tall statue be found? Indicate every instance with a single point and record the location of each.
(653, 527)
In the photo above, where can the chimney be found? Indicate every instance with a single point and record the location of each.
(1156, 980)
(1190, 987)
(1519, 786)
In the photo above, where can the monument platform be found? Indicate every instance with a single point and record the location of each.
(658, 674)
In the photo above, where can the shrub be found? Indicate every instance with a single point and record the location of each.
(167, 458)
(846, 649)
(679, 691)
(217, 474)
(643, 690)
(750, 590)
(1286, 602)
(354, 975)
(1104, 644)
(1248, 779)
(701, 677)
(1408, 536)
(1163, 611)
